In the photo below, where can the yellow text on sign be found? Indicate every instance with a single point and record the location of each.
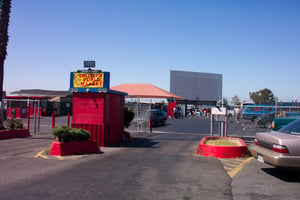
(88, 80)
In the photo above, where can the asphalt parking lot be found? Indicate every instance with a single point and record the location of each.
(157, 165)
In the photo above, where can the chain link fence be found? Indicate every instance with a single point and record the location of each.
(28, 112)
(141, 121)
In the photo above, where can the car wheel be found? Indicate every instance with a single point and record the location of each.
(163, 122)
(253, 119)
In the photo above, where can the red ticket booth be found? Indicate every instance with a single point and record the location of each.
(96, 108)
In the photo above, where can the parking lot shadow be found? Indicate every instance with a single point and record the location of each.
(138, 143)
(248, 140)
(285, 174)
(39, 138)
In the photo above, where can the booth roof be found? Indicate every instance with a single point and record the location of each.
(144, 91)
(40, 93)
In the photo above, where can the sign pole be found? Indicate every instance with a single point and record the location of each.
(211, 125)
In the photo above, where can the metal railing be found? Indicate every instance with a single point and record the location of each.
(24, 110)
(141, 121)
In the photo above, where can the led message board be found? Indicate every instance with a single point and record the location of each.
(89, 81)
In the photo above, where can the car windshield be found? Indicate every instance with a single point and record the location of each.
(292, 128)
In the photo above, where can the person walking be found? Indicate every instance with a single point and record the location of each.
(237, 114)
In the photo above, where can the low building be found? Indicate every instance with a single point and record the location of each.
(49, 102)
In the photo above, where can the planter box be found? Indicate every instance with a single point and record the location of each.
(18, 133)
(73, 148)
(238, 151)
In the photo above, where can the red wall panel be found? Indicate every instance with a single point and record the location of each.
(102, 114)
(88, 108)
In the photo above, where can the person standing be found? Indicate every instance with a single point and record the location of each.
(237, 114)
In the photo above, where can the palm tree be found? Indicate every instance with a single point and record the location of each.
(5, 6)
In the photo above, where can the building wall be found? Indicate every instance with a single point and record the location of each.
(196, 86)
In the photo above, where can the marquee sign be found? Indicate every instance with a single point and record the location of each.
(89, 81)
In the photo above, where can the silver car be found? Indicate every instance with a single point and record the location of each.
(279, 148)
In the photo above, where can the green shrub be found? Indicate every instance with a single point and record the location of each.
(13, 124)
(62, 133)
(128, 116)
(80, 134)
(66, 134)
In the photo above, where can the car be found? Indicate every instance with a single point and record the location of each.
(265, 120)
(269, 121)
(279, 148)
(280, 122)
(158, 117)
(253, 111)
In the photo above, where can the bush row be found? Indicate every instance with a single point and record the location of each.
(66, 134)
(13, 123)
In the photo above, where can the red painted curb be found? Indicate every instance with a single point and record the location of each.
(222, 151)
(10, 134)
(73, 148)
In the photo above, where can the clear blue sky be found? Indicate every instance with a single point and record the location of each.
(254, 44)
